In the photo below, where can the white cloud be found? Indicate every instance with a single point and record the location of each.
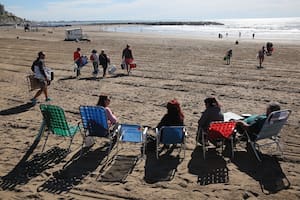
(161, 10)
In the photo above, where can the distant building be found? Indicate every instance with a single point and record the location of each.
(2, 10)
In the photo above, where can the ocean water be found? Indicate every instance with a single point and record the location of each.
(263, 28)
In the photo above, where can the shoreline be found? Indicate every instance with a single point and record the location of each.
(102, 28)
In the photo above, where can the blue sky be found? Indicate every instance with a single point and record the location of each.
(48, 10)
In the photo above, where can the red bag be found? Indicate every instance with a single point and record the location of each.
(92, 57)
(132, 65)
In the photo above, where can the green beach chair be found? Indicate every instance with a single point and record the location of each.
(55, 119)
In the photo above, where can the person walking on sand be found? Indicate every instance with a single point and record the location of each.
(104, 61)
(39, 69)
(261, 56)
(77, 60)
(228, 56)
(127, 57)
(95, 60)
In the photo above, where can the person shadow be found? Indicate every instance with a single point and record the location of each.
(212, 170)
(268, 172)
(17, 109)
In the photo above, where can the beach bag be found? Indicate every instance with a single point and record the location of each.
(49, 73)
(33, 83)
(112, 69)
(123, 64)
(150, 143)
(132, 65)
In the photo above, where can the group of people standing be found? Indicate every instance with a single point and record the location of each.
(101, 59)
(40, 70)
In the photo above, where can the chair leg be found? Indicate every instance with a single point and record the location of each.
(203, 146)
(232, 148)
(70, 144)
(45, 141)
(255, 151)
(276, 140)
(41, 131)
(157, 147)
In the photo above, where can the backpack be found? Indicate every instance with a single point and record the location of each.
(32, 66)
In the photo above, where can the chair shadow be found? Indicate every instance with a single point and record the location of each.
(268, 173)
(25, 170)
(212, 170)
(74, 171)
(118, 169)
(162, 169)
(18, 109)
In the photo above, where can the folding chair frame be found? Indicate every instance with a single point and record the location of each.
(111, 131)
(268, 133)
(205, 135)
(159, 133)
(49, 123)
(143, 138)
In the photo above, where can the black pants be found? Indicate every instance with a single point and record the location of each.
(104, 69)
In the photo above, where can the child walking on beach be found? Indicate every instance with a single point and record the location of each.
(95, 59)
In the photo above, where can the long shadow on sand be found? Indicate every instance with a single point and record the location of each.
(67, 78)
(25, 170)
(268, 172)
(18, 109)
(119, 168)
(212, 170)
(162, 169)
(73, 172)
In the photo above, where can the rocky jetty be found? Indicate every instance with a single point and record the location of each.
(7, 18)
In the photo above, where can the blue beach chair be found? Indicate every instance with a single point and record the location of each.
(134, 134)
(94, 121)
(174, 135)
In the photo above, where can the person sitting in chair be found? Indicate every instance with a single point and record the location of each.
(254, 123)
(211, 113)
(173, 117)
(104, 101)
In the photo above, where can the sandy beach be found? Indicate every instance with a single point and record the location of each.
(188, 69)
